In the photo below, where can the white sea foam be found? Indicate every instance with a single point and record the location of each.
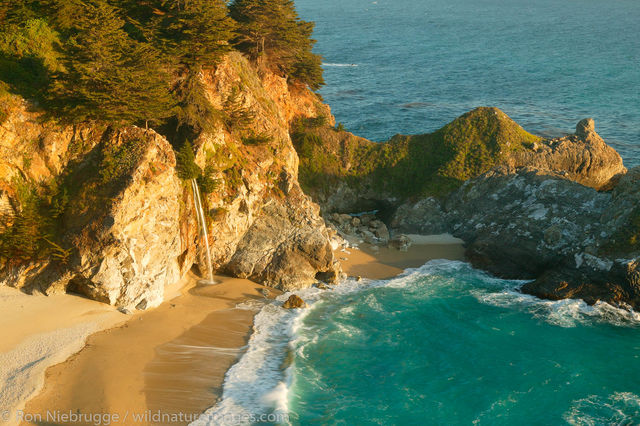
(257, 385)
(339, 65)
(620, 408)
(563, 313)
(252, 384)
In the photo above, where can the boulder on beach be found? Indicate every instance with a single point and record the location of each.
(294, 302)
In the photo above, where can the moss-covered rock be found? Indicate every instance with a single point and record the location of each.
(342, 171)
(408, 166)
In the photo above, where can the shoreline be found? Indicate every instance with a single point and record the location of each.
(170, 359)
(173, 359)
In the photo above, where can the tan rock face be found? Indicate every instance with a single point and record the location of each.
(262, 225)
(133, 230)
(135, 251)
(286, 247)
(125, 232)
(583, 157)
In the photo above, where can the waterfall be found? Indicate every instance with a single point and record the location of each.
(202, 224)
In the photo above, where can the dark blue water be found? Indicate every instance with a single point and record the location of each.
(421, 63)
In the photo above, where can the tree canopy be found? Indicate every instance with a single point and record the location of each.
(110, 76)
(133, 61)
(272, 30)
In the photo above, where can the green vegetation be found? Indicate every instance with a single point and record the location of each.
(118, 161)
(237, 116)
(256, 139)
(271, 30)
(196, 32)
(206, 182)
(430, 164)
(186, 166)
(187, 169)
(131, 62)
(33, 233)
(110, 63)
(110, 76)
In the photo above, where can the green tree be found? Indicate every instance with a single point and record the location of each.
(62, 14)
(192, 32)
(110, 76)
(194, 114)
(199, 30)
(272, 31)
(18, 11)
(186, 167)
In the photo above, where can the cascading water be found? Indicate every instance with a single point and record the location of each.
(202, 224)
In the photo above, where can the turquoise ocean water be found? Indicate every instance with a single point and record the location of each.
(441, 344)
(446, 344)
(411, 66)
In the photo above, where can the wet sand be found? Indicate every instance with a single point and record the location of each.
(382, 263)
(172, 359)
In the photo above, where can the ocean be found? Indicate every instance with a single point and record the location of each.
(444, 343)
(411, 66)
(440, 344)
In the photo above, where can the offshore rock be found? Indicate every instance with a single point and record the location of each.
(617, 283)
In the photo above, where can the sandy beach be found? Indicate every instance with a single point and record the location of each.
(375, 262)
(170, 360)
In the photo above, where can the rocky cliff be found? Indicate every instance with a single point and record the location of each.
(530, 222)
(102, 212)
(345, 173)
(562, 212)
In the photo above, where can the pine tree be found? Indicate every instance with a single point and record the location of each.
(110, 76)
(200, 30)
(62, 13)
(186, 167)
(194, 114)
(271, 31)
(18, 11)
(193, 32)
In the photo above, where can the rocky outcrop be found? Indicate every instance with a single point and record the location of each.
(128, 226)
(287, 246)
(520, 224)
(611, 270)
(426, 217)
(572, 240)
(582, 157)
(363, 227)
(120, 230)
(616, 281)
(347, 174)
(129, 250)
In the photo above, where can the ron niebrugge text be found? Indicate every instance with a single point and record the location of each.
(146, 417)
